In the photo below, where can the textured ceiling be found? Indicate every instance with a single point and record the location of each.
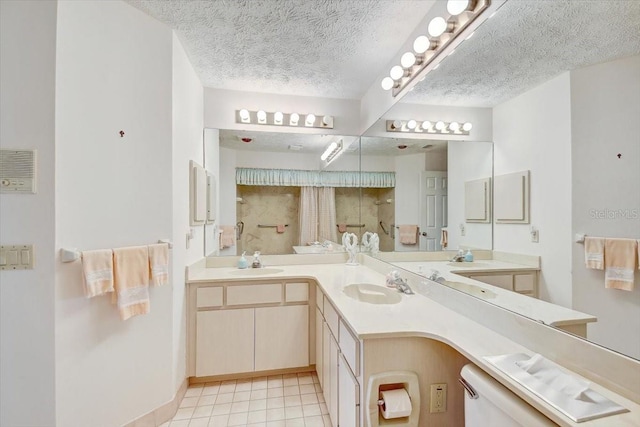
(527, 43)
(324, 48)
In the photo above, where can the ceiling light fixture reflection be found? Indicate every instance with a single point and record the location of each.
(332, 152)
(277, 117)
(294, 119)
(443, 35)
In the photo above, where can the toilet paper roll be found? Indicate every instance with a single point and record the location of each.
(396, 404)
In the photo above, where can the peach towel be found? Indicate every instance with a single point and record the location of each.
(342, 228)
(444, 239)
(227, 236)
(594, 252)
(408, 234)
(159, 264)
(280, 228)
(619, 262)
(97, 267)
(131, 271)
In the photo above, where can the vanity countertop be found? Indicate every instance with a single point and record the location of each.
(420, 315)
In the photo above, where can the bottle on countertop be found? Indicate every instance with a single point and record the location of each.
(256, 260)
(468, 257)
(242, 262)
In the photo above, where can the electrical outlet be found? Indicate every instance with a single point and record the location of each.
(535, 235)
(463, 231)
(438, 401)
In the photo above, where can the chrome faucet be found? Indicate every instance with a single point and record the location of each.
(459, 257)
(436, 277)
(403, 286)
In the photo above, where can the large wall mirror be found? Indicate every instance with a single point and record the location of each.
(467, 86)
(478, 84)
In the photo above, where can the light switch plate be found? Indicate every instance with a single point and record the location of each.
(16, 257)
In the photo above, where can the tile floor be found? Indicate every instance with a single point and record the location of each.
(278, 400)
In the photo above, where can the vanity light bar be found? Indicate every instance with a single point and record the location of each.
(426, 126)
(278, 118)
(442, 36)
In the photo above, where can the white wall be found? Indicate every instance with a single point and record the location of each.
(212, 165)
(27, 121)
(188, 111)
(408, 187)
(227, 192)
(114, 72)
(605, 112)
(467, 161)
(533, 132)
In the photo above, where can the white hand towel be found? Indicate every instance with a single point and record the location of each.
(159, 264)
(594, 252)
(619, 263)
(131, 268)
(97, 267)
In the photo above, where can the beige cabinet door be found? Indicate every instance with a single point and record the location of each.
(319, 360)
(332, 403)
(326, 362)
(349, 392)
(282, 337)
(224, 342)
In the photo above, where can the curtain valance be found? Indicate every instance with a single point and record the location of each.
(307, 178)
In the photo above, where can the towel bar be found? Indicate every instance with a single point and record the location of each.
(269, 226)
(354, 225)
(72, 254)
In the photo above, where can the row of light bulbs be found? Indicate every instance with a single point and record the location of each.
(427, 126)
(425, 48)
(278, 118)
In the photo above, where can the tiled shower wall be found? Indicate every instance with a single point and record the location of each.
(269, 205)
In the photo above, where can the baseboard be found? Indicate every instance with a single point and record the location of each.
(163, 413)
(246, 375)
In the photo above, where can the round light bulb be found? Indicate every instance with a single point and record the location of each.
(278, 116)
(387, 83)
(293, 118)
(244, 114)
(437, 26)
(454, 126)
(408, 60)
(467, 127)
(439, 125)
(397, 124)
(456, 7)
(411, 124)
(421, 44)
(262, 116)
(426, 125)
(311, 119)
(396, 72)
(327, 120)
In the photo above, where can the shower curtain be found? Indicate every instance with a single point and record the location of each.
(308, 215)
(317, 214)
(327, 229)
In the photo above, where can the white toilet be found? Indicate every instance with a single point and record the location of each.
(489, 403)
(390, 381)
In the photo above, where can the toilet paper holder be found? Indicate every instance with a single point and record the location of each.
(405, 380)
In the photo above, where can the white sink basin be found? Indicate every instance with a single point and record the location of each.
(470, 289)
(372, 294)
(256, 271)
(465, 264)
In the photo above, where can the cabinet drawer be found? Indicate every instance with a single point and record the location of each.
(209, 297)
(254, 294)
(524, 283)
(350, 348)
(504, 281)
(296, 292)
(331, 316)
